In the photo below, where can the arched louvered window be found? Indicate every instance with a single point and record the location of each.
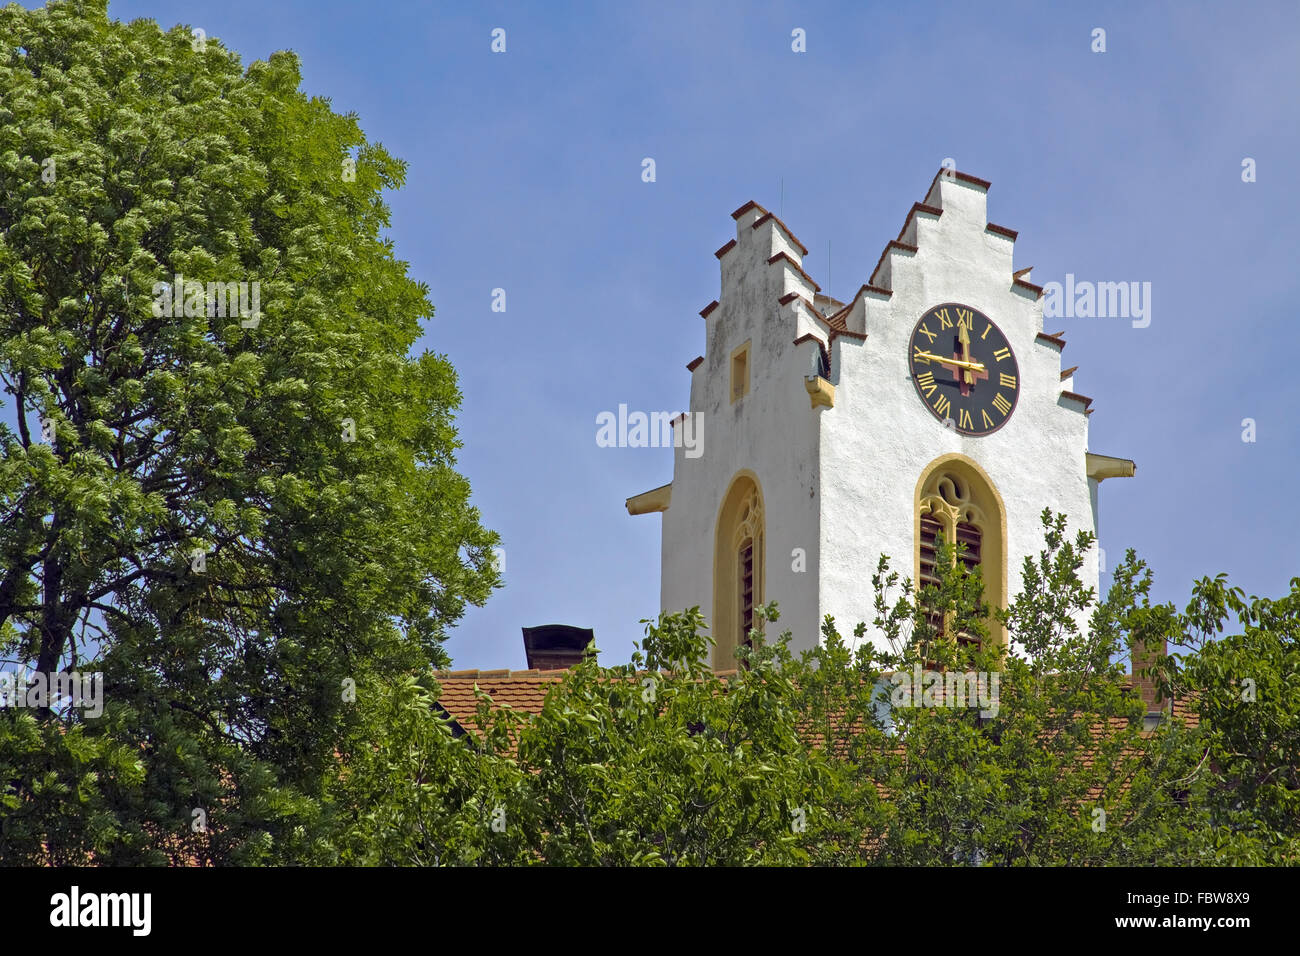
(745, 572)
(957, 502)
(737, 569)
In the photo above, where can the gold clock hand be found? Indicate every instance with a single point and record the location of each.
(974, 366)
(964, 338)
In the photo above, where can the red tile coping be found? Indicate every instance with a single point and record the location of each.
(918, 207)
(803, 250)
(1055, 339)
(746, 208)
(791, 296)
(964, 177)
(892, 244)
(785, 256)
(821, 346)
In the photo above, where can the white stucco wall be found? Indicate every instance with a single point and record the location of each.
(879, 438)
(772, 432)
(840, 482)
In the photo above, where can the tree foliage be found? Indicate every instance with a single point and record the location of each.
(813, 759)
(298, 449)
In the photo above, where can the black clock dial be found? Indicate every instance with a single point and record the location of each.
(963, 369)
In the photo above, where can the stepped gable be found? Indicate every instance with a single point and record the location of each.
(763, 240)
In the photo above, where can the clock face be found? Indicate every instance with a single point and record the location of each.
(964, 369)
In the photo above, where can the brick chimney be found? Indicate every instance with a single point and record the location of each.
(1141, 658)
(556, 646)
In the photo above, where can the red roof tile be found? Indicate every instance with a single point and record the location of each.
(803, 250)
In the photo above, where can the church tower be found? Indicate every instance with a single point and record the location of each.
(932, 403)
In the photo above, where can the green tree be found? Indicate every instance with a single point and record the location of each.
(1058, 770)
(412, 793)
(666, 762)
(1240, 670)
(231, 513)
(660, 762)
(817, 758)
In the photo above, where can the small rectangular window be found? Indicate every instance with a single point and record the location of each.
(740, 372)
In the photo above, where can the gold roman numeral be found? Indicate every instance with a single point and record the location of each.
(920, 355)
(987, 330)
(1002, 354)
(944, 321)
(924, 331)
(966, 318)
(1008, 381)
(963, 419)
(1001, 404)
(926, 381)
(941, 405)
(988, 422)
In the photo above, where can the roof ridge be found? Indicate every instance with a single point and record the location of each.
(504, 673)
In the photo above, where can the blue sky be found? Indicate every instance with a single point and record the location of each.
(525, 174)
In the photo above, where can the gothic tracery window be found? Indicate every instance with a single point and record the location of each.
(949, 507)
(738, 569)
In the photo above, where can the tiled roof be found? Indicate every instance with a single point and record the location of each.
(519, 690)
(522, 691)
(525, 692)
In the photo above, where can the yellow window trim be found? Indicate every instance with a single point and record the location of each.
(984, 496)
(730, 531)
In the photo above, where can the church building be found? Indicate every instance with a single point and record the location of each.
(932, 403)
